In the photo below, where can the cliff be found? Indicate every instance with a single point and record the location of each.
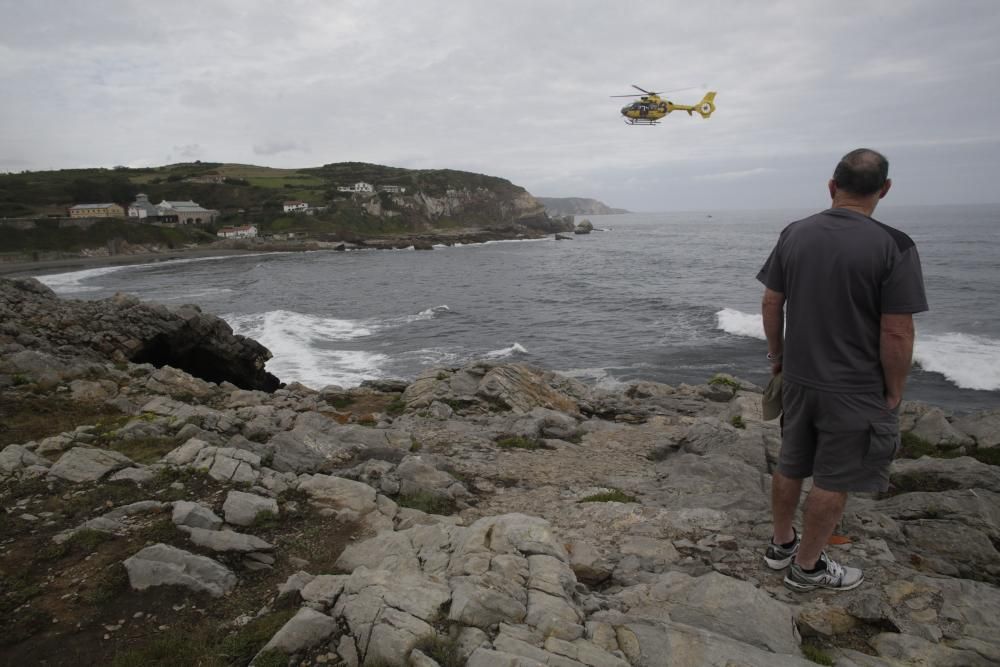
(401, 202)
(483, 515)
(558, 206)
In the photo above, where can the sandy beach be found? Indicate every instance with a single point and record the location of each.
(65, 264)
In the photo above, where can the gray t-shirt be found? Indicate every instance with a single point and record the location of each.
(840, 271)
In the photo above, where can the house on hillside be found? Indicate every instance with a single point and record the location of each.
(359, 187)
(187, 212)
(241, 232)
(392, 189)
(109, 210)
(142, 208)
(295, 206)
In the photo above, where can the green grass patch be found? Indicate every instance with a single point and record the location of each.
(145, 450)
(814, 653)
(204, 646)
(443, 650)
(427, 502)
(265, 519)
(612, 496)
(738, 422)
(88, 540)
(396, 407)
(519, 442)
(721, 380)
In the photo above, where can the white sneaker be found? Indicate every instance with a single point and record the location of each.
(831, 575)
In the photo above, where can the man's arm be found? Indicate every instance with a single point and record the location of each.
(772, 309)
(896, 354)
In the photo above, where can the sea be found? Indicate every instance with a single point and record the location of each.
(667, 297)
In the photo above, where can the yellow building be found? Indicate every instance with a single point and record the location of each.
(96, 211)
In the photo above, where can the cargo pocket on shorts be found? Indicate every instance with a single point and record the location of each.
(882, 444)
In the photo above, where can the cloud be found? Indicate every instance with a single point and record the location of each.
(735, 175)
(275, 147)
(190, 151)
(516, 89)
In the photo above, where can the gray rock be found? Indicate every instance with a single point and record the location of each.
(417, 476)
(226, 540)
(916, 651)
(195, 515)
(983, 427)
(186, 453)
(294, 584)
(242, 509)
(483, 657)
(86, 464)
(138, 476)
(718, 603)
(935, 474)
(324, 589)
(934, 427)
(163, 565)
(306, 629)
(338, 493)
(14, 458)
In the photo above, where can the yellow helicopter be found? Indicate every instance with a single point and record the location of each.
(650, 107)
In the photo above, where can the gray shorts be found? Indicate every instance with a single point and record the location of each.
(845, 442)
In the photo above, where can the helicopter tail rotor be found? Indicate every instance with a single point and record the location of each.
(707, 105)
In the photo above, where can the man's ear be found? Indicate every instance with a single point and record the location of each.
(885, 188)
(832, 187)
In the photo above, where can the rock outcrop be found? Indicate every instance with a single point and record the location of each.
(39, 331)
(495, 514)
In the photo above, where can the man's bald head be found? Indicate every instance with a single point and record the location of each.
(862, 172)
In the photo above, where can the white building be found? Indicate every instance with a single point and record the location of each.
(360, 186)
(295, 206)
(142, 208)
(187, 212)
(392, 189)
(242, 232)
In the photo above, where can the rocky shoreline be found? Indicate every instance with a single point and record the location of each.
(166, 501)
(15, 265)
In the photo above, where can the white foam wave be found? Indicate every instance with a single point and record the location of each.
(970, 362)
(429, 314)
(502, 353)
(599, 377)
(302, 351)
(72, 282)
(738, 323)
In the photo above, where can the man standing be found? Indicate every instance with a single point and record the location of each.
(851, 285)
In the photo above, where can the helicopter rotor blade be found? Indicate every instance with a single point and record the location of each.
(633, 95)
(643, 90)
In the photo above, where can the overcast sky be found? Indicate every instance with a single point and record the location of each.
(519, 90)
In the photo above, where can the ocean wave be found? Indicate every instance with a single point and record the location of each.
(301, 347)
(72, 282)
(505, 352)
(969, 362)
(738, 323)
(599, 377)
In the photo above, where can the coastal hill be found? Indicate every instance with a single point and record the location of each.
(576, 206)
(165, 504)
(347, 201)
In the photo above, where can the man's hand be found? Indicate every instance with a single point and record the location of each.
(772, 310)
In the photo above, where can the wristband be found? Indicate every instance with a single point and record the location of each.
(774, 357)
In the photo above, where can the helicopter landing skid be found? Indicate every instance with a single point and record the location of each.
(641, 121)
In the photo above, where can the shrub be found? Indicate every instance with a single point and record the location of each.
(725, 381)
(519, 442)
(610, 496)
(737, 421)
(427, 502)
(814, 653)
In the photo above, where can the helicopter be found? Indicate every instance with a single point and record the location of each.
(650, 108)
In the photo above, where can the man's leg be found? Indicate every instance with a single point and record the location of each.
(823, 511)
(785, 493)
